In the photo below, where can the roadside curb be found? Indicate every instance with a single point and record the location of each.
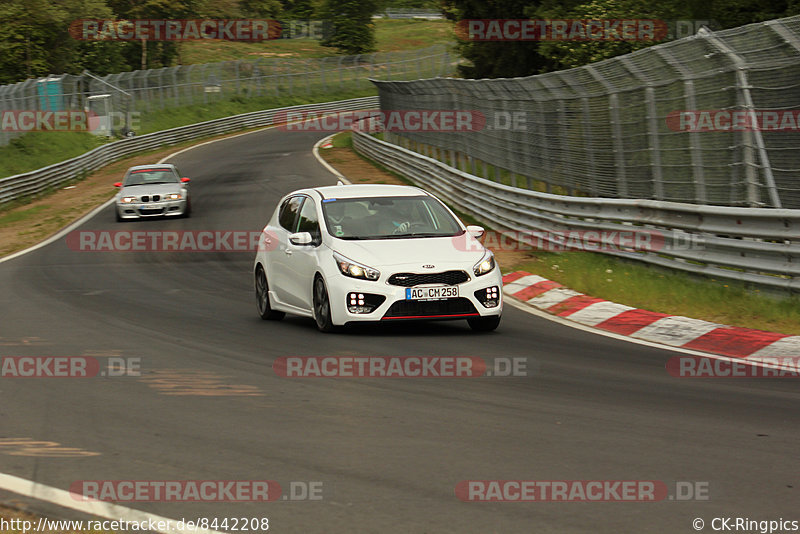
(672, 330)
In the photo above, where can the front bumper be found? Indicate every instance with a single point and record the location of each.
(137, 210)
(396, 307)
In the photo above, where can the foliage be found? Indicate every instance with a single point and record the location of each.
(353, 30)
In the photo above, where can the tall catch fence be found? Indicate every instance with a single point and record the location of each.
(618, 128)
(187, 85)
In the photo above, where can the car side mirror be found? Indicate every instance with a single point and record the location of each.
(118, 184)
(475, 231)
(185, 180)
(301, 238)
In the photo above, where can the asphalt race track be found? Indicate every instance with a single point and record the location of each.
(389, 452)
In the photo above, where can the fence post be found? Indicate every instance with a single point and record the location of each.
(697, 154)
(616, 127)
(743, 84)
(652, 128)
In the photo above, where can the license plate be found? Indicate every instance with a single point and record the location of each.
(428, 293)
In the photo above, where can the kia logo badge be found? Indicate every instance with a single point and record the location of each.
(427, 266)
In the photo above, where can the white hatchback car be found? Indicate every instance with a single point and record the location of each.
(355, 253)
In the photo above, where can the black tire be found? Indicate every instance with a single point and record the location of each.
(262, 298)
(188, 211)
(484, 324)
(116, 215)
(322, 307)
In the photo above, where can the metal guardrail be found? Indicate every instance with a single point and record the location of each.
(753, 245)
(409, 13)
(35, 182)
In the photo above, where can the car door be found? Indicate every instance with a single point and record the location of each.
(303, 259)
(278, 268)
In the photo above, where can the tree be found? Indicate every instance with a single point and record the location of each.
(157, 53)
(353, 30)
(568, 54)
(495, 59)
(298, 9)
(265, 9)
(35, 39)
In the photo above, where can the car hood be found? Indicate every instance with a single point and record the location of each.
(442, 252)
(151, 189)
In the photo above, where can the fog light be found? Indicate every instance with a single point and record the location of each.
(489, 297)
(363, 302)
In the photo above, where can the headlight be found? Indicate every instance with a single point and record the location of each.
(354, 269)
(128, 200)
(485, 265)
(172, 196)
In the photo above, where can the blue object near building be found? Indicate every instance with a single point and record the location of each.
(51, 93)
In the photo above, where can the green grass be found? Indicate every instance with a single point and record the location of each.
(390, 36)
(659, 290)
(39, 149)
(342, 140)
(393, 35)
(23, 215)
(180, 116)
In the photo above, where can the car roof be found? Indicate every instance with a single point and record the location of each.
(152, 166)
(368, 190)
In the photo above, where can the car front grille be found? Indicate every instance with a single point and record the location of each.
(151, 211)
(449, 278)
(431, 309)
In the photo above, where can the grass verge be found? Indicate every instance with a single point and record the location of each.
(606, 277)
(39, 149)
(390, 36)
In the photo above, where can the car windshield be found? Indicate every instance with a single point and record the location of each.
(150, 176)
(388, 218)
